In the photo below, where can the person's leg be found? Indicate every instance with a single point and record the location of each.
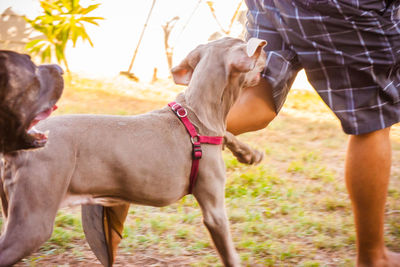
(253, 110)
(367, 174)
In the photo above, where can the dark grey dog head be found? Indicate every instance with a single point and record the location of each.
(28, 94)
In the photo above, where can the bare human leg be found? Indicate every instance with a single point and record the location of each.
(253, 110)
(367, 173)
(367, 177)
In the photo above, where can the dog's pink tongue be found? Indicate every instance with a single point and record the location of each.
(42, 116)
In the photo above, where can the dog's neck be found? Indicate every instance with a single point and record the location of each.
(210, 95)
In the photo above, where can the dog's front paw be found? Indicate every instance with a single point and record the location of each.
(242, 151)
(258, 156)
(248, 155)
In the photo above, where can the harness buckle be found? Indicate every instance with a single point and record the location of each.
(175, 105)
(176, 108)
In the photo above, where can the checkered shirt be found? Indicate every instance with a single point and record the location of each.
(350, 50)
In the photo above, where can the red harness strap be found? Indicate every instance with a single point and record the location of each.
(196, 140)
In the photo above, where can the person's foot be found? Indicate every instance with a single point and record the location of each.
(389, 259)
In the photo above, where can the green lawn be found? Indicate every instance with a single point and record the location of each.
(291, 210)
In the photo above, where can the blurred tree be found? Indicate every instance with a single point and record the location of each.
(224, 31)
(169, 50)
(128, 72)
(168, 28)
(61, 21)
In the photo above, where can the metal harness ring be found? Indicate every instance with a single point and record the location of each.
(177, 110)
(195, 139)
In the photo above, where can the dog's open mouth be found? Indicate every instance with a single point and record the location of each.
(39, 138)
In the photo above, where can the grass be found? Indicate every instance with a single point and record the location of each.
(291, 210)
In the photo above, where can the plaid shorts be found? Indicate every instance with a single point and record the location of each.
(350, 50)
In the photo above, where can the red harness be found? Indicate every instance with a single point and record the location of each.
(196, 140)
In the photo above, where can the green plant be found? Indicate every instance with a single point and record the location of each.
(60, 22)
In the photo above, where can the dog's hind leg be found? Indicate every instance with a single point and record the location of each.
(114, 218)
(31, 214)
(210, 195)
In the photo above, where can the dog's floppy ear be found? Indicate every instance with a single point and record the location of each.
(245, 61)
(182, 73)
(3, 76)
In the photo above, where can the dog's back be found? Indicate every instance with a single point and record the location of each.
(144, 158)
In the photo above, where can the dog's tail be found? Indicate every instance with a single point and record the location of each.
(103, 230)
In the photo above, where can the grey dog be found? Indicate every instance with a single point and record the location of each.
(144, 159)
